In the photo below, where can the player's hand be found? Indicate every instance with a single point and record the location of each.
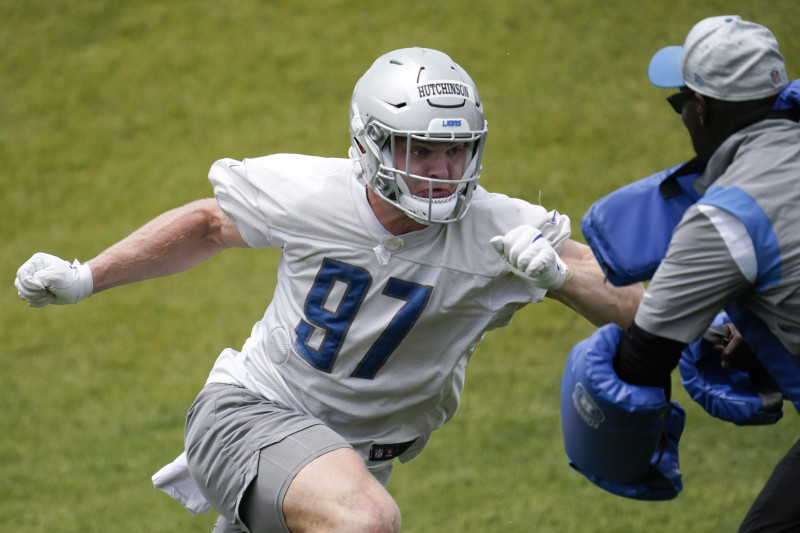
(47, 279)
(530, 256)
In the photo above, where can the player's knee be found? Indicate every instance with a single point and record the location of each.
(368, 510)
(371, 512)
(390, 517)
(369, 516)
(382, 516)
(335, 492)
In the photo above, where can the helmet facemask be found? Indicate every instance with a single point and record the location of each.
(392, 184)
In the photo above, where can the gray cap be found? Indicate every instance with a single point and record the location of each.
(726, 58)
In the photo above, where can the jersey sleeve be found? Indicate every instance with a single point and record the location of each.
(239, 199)
(696, 278)
(506, 213)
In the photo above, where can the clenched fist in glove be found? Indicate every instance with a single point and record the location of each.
(531, 256)
(47, 279)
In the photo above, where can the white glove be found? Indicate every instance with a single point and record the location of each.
(47, 279)
(530, 256)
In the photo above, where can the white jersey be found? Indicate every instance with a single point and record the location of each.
(367, 331)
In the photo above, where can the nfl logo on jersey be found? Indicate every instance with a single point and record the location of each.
(384, 452)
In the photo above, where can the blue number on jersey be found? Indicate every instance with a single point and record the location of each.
(335, 324)
(416, 297)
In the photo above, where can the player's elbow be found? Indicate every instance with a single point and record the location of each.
(221, 231)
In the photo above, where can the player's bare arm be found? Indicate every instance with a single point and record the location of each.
(587, 292)
(172, 242)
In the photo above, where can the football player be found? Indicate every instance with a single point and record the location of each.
(395, 263)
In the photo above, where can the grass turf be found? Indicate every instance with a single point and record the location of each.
(113, 112)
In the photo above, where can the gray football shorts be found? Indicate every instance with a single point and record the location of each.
(235, 438)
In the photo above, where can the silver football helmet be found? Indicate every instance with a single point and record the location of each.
(419, 94)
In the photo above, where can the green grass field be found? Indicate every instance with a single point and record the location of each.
(112, 112)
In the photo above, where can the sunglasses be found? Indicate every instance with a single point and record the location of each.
(679, 99)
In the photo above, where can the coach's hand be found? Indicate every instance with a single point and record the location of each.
(47, 279)
(530, 256)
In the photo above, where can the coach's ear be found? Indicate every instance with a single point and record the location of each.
(623, 438)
